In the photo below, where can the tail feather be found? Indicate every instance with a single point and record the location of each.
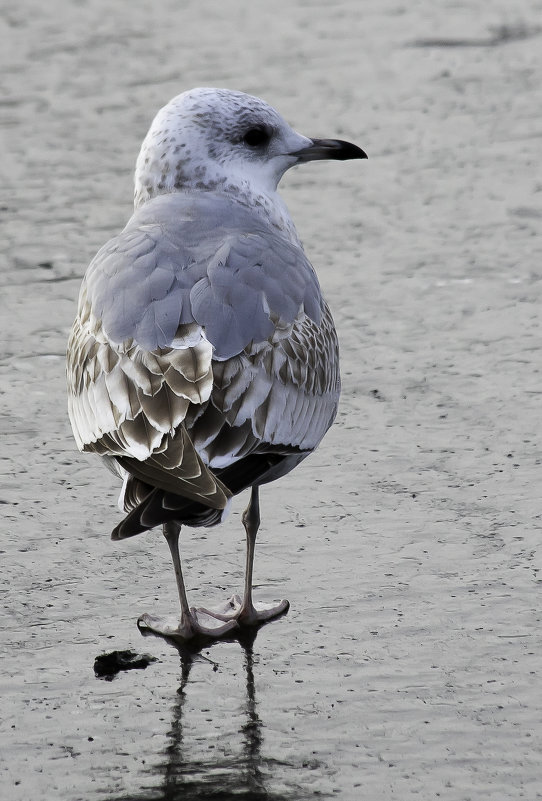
(154, 506)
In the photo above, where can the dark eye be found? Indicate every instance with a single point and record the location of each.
(256, 137)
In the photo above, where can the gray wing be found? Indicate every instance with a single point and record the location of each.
(128, 403)
(277, 396)
(196, 344)
(205, 261)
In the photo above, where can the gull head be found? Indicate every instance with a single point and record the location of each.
(222, 140)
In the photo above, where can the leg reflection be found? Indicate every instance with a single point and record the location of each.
(215, 748)
(252, 731)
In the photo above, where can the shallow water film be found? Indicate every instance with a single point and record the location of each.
(409, 545)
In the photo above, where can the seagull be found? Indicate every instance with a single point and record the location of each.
(203, 359)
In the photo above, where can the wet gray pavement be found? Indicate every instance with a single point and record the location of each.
(410, 544)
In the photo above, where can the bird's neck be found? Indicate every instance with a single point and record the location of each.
(268, 205)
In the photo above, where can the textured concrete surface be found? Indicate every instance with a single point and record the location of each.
(409, 546)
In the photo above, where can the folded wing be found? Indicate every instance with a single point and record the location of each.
(196, 348)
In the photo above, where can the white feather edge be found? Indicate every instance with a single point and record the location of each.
(105, 403)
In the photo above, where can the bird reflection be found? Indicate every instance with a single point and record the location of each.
(236, 769)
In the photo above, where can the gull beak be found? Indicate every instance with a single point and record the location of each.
(335, 149)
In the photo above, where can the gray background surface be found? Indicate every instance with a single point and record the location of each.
(409, 545)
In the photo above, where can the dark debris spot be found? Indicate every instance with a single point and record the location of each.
(106, 666)
(499, 34)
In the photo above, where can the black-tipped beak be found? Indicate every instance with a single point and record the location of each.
(329, 149)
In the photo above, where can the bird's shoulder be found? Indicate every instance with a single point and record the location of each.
(204, 260)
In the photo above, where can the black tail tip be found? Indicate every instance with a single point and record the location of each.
(123, 532)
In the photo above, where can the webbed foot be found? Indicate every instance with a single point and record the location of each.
(246, 614)
(198, 624)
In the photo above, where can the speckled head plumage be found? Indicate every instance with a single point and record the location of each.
(214, 138)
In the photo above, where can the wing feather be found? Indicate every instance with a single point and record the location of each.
(286, 390)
